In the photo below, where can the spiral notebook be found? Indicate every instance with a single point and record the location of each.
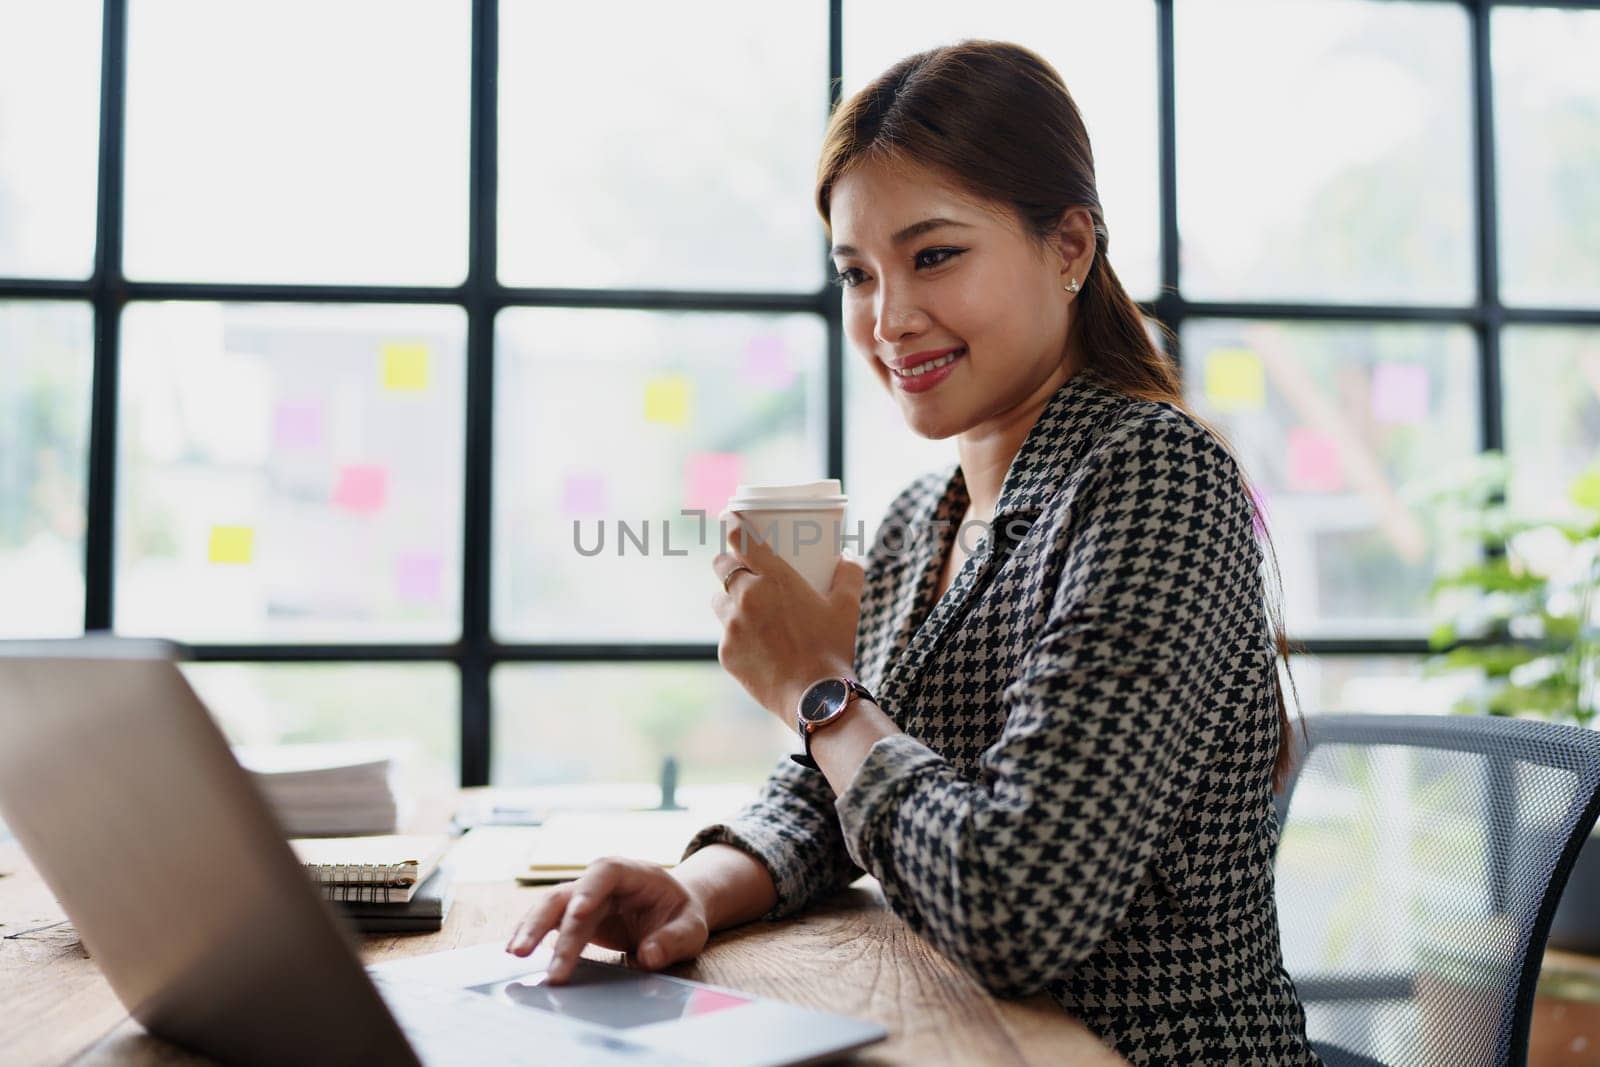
(424, 913)
(381, 869)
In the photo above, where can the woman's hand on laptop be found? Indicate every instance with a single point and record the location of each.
(624, 904)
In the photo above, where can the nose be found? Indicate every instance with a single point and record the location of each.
(896, 317)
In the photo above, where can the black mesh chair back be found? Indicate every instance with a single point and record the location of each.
(1420, 860)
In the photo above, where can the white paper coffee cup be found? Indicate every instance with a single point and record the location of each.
(802, 523)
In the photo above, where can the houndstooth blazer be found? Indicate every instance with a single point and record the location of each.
(1081, 799)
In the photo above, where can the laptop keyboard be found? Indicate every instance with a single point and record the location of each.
(456, 1026)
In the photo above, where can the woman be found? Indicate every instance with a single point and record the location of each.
(1058, 749)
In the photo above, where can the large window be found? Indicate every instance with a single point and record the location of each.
(335, 355)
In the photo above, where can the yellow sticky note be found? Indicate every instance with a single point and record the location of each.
(667, 400)
(405, 366)
(1235, 380)
(232, 544)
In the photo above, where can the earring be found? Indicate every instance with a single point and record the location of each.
(1072, 285)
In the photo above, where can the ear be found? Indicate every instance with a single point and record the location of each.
(1075, 244)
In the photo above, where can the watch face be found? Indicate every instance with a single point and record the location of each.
(824, 699)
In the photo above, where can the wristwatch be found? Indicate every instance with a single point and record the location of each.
(823, 703)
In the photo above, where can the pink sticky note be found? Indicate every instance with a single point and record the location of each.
(1314, 462)
(1400, 393)
(361, 489)
(418, 577)
(767, 364)
(583, 494)
(712, 478)
(297, 425)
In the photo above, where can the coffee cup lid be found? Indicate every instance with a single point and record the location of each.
(826, 487)
(826, 493)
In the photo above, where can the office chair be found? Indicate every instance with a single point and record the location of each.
(1420, 861)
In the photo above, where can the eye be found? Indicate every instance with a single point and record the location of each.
(851, 277)
(932, 257)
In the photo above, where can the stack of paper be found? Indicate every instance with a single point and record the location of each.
(330, 788)
(567, 842)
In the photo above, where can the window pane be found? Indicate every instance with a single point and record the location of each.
(290, 472)
(1379, 685)
(1547, 149)
(415, 707)
(882, 455)
(1113, 83)
(49, 137)
(683, 159)
(1324, 150)
(1340, 429)
(1552, 397)
(592, 723)
(46, 365)
(298, 141)
(631, 416)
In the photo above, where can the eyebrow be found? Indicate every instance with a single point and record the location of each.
(916, 229)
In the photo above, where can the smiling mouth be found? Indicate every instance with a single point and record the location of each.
(932, 364)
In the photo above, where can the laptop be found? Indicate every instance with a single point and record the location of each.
(121, 789)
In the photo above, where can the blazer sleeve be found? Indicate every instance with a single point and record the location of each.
(1019, 876)
(793, 829)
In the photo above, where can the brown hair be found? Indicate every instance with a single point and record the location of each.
(998, 120)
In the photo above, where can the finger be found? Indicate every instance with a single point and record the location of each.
(746, 542)
(590, 903)
(679, 939)
(538, 922)
(584, 913)
(848, 579)
(733, 572)
(753, 546)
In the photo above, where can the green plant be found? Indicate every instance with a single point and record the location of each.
(1522, 615)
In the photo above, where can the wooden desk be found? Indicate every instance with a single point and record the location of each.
(851, 955)
(1566, 1012)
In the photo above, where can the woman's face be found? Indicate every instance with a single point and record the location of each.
(934, 278)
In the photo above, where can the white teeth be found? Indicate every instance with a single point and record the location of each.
(934, 364)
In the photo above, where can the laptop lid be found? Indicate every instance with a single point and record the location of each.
(123, 792)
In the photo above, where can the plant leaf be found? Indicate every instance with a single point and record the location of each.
(1496, 661)
(1547, 701)
(1443, 636)
(1585, 491)
(1494, 575)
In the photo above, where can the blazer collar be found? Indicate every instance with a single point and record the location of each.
(1071, 422)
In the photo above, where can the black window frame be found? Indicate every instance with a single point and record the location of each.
(481, 296)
